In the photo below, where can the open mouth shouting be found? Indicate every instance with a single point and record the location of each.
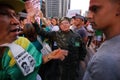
(15, 31)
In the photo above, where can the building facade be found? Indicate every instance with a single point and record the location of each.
(56, 8)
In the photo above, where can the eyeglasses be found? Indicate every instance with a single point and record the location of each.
(64, 22)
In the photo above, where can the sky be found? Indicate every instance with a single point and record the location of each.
(79, 4)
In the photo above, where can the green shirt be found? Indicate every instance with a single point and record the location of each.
(10, 70)
(98, 32)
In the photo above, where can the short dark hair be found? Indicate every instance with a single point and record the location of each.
(29, 32)
(85, 20)
(64, 18)
(22, 18)
(73, 17)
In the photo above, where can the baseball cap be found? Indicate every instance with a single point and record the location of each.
(79, 16)
(17, 5)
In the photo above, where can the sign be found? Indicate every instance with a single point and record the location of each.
(72, 13)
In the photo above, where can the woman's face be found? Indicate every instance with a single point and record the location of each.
(54, 22)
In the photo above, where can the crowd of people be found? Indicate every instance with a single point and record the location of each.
(56, 48)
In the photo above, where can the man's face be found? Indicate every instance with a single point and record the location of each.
(65, 25)
(102, 14)
(8, 26)
(78, 22)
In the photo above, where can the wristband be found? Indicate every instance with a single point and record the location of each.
(48, 57)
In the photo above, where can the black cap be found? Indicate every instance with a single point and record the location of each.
(79, 16)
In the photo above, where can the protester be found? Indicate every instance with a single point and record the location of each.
(30, 34)
(90, 31)
(80, 28)
(14, 50)
(72, 23)
(104, 65)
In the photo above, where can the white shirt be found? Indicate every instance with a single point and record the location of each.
(55, 28)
